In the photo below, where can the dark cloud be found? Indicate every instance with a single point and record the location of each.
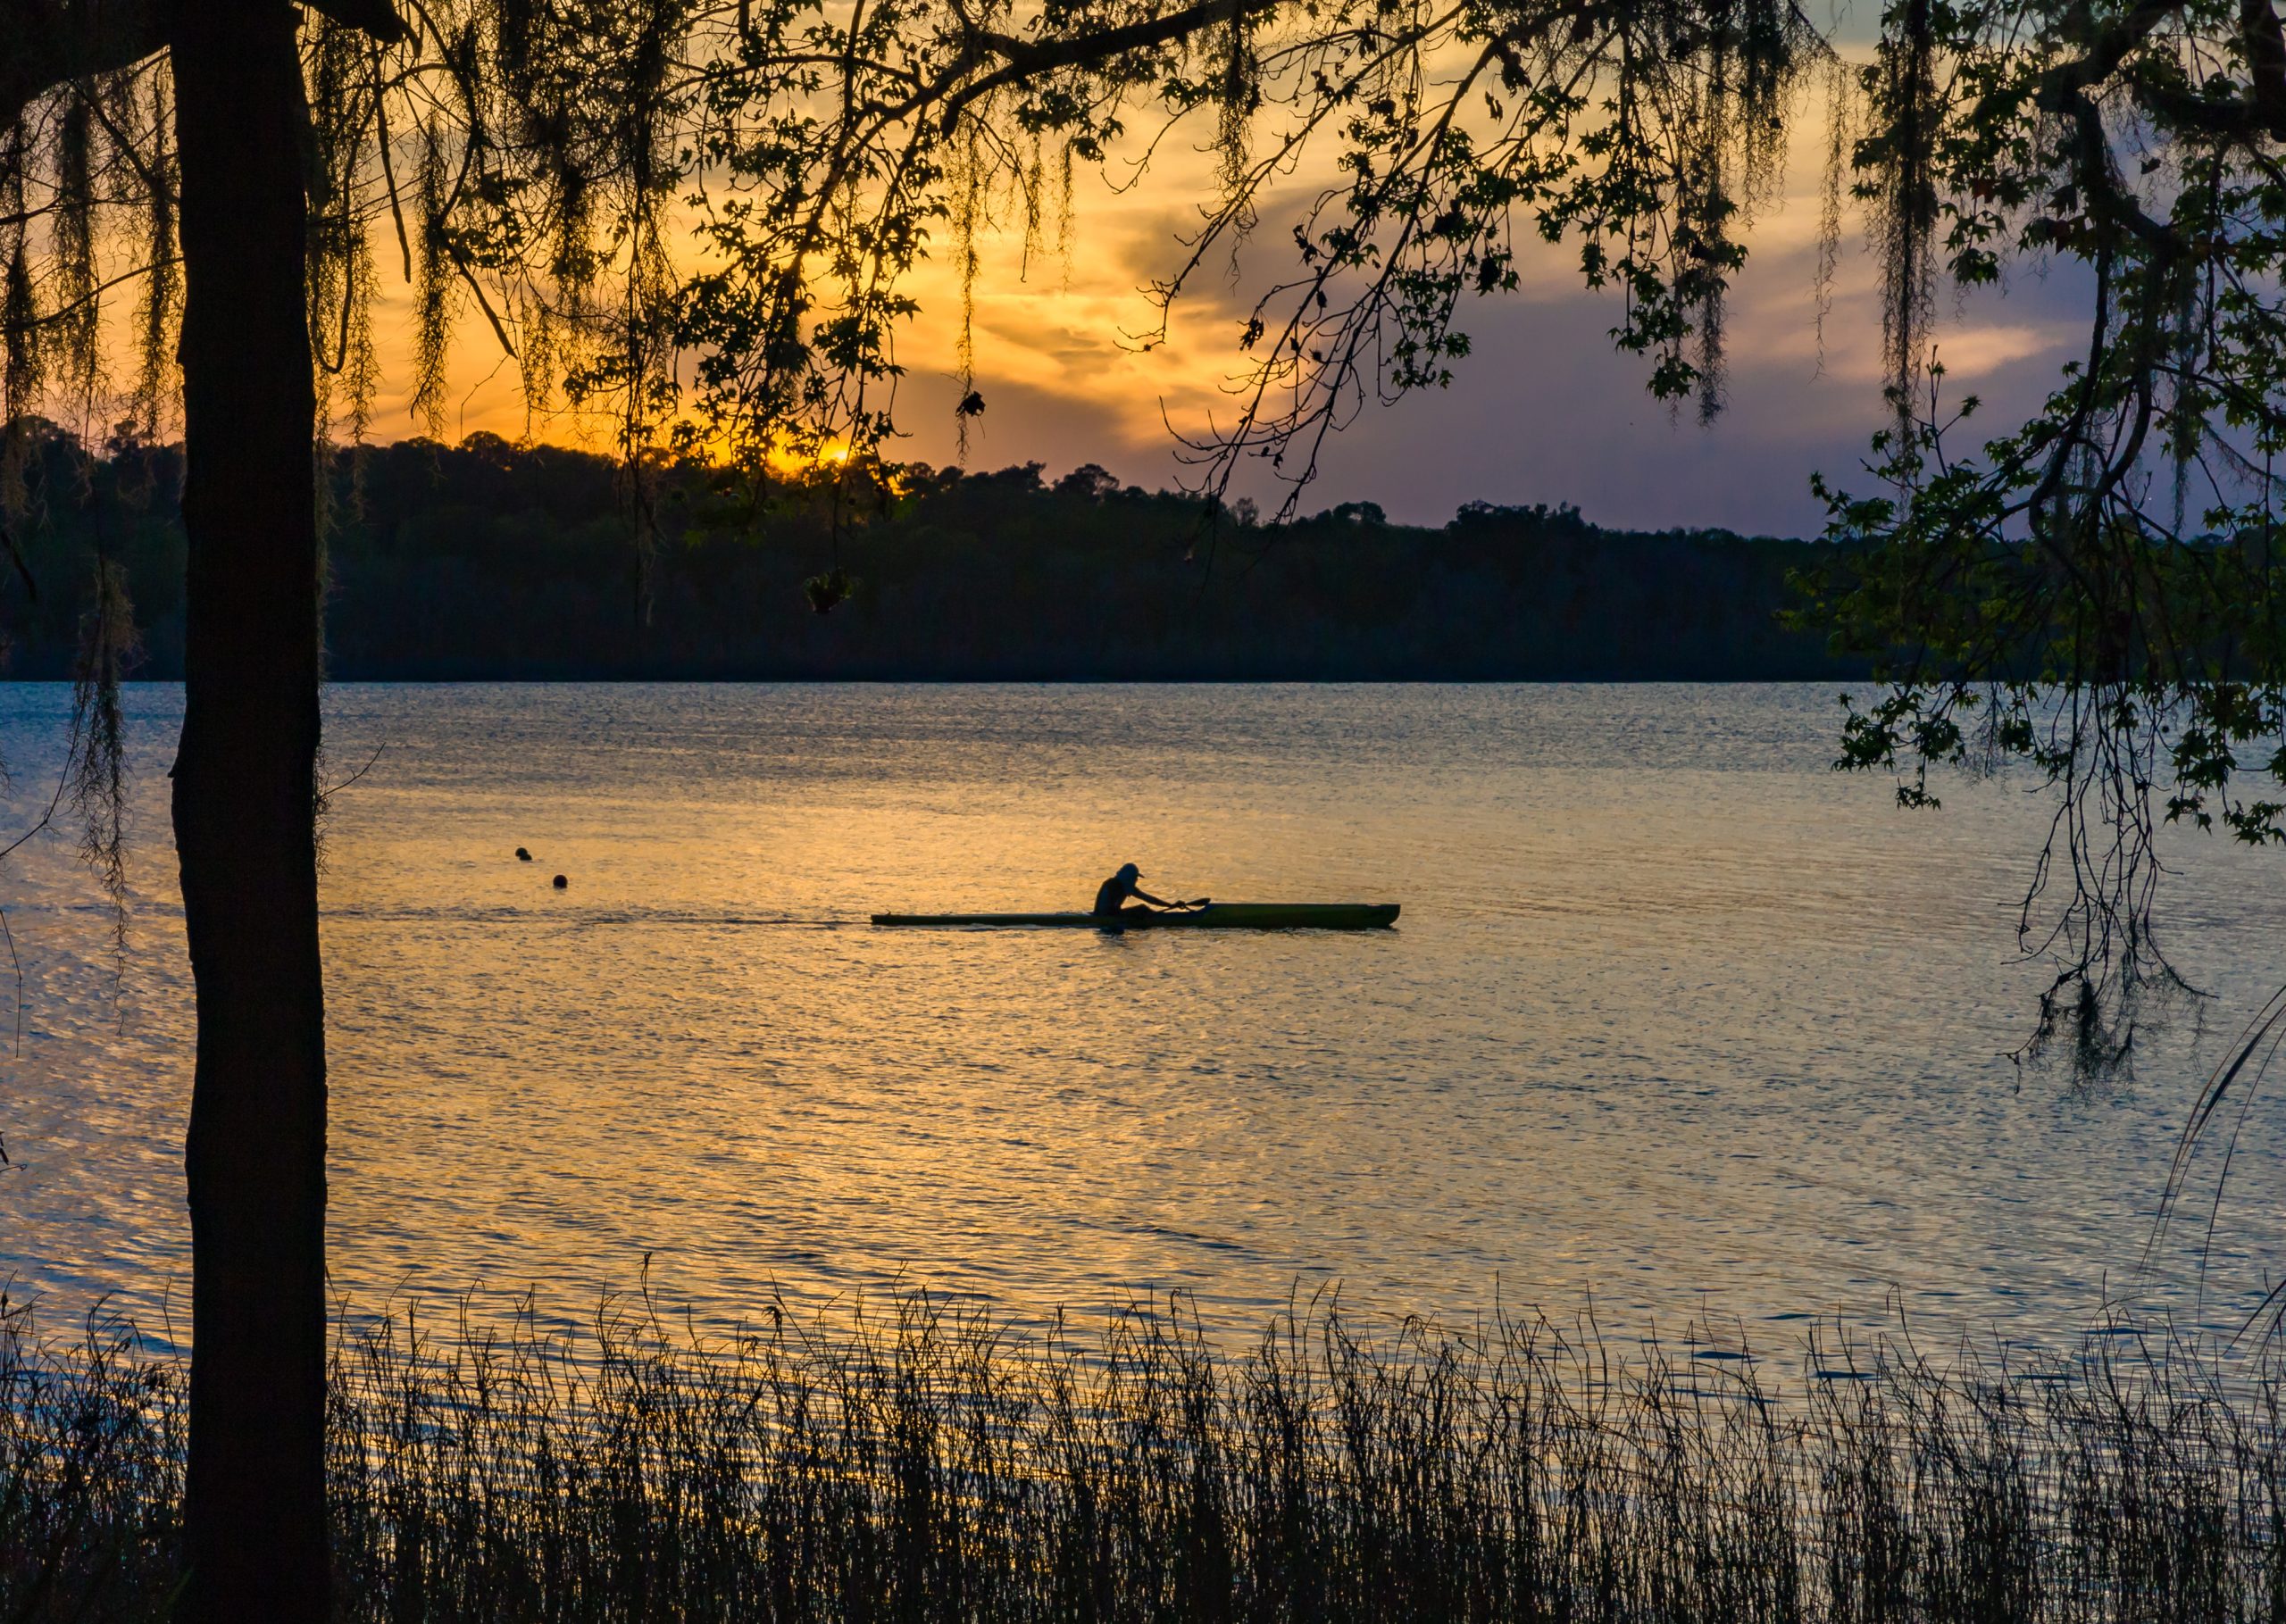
(1025, 422)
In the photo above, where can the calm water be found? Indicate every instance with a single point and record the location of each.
(1674, 1016)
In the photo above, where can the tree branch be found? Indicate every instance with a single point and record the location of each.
(378, 18)
(1021, 59)
(51, 42)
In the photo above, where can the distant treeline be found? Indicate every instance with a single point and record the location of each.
(491, 560)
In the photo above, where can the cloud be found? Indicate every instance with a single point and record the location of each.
(1543, 411)
(1024, 422)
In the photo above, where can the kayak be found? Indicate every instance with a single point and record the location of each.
(1214, 916)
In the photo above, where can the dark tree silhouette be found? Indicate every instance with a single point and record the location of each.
(244, 775)
(244, 789)
(486, 561)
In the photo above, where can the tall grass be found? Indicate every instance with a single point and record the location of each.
(924, 1462)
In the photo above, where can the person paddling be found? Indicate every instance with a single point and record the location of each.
(1113, 893)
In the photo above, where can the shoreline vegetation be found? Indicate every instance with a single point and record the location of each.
(491, 562)
(925, 1461)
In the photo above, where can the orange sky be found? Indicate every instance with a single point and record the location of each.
(1544, 410)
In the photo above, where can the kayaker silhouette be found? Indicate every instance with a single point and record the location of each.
(1114, 892)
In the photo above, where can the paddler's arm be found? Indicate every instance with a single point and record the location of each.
(1141, 895)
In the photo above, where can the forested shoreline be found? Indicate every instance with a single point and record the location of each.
(488, 560)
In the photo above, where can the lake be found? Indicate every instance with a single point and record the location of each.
(1676, 1020)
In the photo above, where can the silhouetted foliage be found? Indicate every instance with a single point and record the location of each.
(488, 560)
(929, 1464)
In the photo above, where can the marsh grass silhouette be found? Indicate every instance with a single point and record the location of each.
(920, 1461)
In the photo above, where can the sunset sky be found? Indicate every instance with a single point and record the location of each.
(1544, 410)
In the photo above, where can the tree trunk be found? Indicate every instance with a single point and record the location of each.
(245, 829)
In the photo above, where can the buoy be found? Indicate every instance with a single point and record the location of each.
(562, 883)
(522, 855)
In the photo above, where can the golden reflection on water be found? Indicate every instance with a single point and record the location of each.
(1674, 1015)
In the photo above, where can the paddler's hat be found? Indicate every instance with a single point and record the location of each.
(1128, 870)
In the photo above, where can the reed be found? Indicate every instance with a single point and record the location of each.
(926, 1461)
